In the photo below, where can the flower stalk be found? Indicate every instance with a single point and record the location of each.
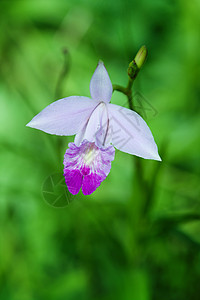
(133, 70)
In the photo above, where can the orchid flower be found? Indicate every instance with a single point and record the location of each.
(99, 127)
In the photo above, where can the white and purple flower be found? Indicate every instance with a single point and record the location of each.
(86, 166)
(98, 125)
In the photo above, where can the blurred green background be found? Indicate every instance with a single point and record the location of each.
(138, 236)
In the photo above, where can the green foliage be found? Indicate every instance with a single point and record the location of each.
(137, 236)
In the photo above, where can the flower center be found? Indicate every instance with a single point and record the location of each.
(90, 154)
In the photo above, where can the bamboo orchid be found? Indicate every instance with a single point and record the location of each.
(99, 126)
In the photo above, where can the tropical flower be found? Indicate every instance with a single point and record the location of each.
(98, 125)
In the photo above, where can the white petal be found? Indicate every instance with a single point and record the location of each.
(131, 133)
(96, 129)
(65, 116)
(100, 84)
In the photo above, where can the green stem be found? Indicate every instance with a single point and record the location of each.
(136, 208)
(119, 88)
(133, 70)
(64, 72)
(130, 84)
(127, 90)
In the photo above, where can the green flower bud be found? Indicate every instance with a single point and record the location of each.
(132, 70)
(136, 64)
(141, 57)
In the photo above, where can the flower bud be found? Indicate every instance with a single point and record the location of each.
(141, 57)
(133, 70)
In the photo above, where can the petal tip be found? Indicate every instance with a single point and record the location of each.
(100, 62)
(28, 124)
(32, 124)
(160, 159)
(157, 157)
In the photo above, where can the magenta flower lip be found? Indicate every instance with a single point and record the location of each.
(86, 166)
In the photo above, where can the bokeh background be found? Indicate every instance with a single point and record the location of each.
(138, 236)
